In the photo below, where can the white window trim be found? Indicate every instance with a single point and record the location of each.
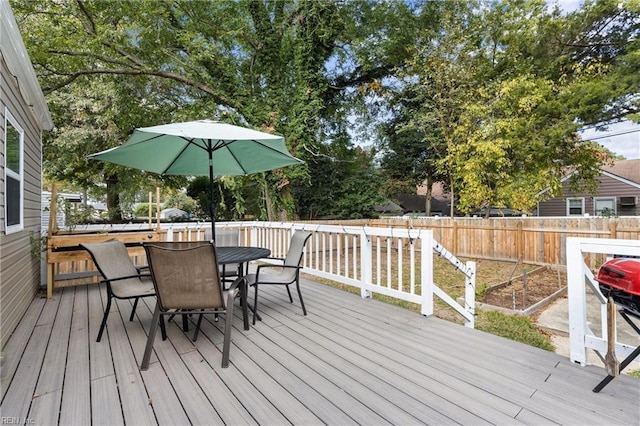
(568, 204)
(8, 118)
(615, 204)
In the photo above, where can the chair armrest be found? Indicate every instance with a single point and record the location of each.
(298, 267)
(126, 278)
(277, 266)
(233, 290)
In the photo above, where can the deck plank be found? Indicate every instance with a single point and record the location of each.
(133, 397)
(196, 405)
(76, 396)
(15, 346)
(48, 393)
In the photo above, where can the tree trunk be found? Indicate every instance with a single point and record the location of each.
(113, 199)
(267, 200)
(287, 200)
(427, 201)
(453, 198)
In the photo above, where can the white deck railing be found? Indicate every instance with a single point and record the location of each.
(386, 261)
(579, 278)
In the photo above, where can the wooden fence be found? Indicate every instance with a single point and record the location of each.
(535, 240)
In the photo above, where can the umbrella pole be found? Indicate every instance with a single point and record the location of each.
(212, 208)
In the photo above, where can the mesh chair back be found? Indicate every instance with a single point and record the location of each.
(112, 259)
(296, 250)
(185, 275)
(224, 237)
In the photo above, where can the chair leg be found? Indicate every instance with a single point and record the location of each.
(243, 303)
(104, 318)
(289, 293)
(304, 310)
(133, 311)
(150, 339)
(255, 303)
(163, 329)
(228, 326)
(195, 333)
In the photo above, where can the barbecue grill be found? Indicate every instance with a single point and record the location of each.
(619, 279)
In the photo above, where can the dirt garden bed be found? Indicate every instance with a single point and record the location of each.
(526, 293)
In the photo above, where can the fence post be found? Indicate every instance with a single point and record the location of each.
(613, 228)
(454, 243)
(520, 240)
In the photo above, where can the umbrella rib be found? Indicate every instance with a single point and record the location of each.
(175, 158)
(226, 145)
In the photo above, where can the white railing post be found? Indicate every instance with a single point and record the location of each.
(366, 265)
(254, 237)
(426, 273)
(470, 294)
(577, 302)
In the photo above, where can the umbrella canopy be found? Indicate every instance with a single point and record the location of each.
(184, 148)
(200, 148)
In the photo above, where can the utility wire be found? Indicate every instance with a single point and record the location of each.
(610, 135)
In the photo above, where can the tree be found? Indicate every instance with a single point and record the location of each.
(343, 184)
(509, 125)
(411, 148)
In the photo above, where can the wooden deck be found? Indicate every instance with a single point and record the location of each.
(350, 361)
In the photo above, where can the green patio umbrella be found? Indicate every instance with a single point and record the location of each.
(200, 148)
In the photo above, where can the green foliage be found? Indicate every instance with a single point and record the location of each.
(179, 200)
(520, 329)
(343, 184)
(481, 290)
(38, 245)
(142, 210)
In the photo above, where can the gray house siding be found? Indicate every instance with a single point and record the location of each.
(21, 97)
(608, 186)
(20, 273)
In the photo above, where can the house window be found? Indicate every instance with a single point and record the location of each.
(575, 206)
(604, 206)
(14, 174)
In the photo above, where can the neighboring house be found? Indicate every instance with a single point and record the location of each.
(173, 214)
(23, 117)
(618, 194)
(389, 208)
(61, 219)
(414, 204)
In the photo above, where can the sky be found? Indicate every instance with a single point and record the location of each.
(620, 138)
